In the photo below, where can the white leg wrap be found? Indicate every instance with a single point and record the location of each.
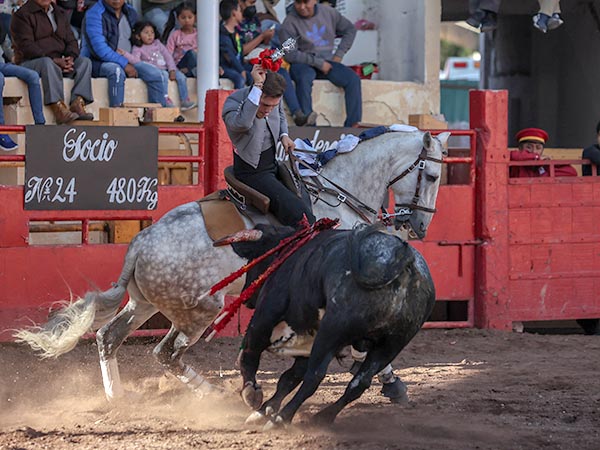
(357, 356)
(111, 378)
(386, 375)
(193, 380)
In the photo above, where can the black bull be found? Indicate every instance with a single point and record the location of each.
(375, 291)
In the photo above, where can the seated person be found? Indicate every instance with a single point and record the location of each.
(182, 42)
(230, 44)
(315, 57)
(32, 79)
(44, 42)
(255, 121)
(106, 29)
(593, 154)
(531, 148)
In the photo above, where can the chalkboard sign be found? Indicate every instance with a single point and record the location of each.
(78, 167)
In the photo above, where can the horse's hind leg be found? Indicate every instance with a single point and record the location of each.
(377, 359)
(169, 352)
(392, 386)
(111, 336)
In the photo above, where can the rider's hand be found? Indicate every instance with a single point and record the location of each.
(287, 143)
(172, 75)
(258, 75)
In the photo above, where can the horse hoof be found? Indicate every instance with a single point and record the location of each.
(396, 391)
(256, 419)
(252, 396)
(275, 422)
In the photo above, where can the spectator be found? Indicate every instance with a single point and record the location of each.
(230, 44)
(35, 98)
(531, 148)
(44, 42)
(255, 141)
(106, 28)
(159, 11)
(183, 42)
(316, 27)
(146, 47)
(593, 154)
(548, 18)
(483, 14)
(254, 39)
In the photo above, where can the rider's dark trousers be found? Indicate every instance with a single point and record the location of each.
(285, 205)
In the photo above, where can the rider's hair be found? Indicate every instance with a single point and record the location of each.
(274, 85)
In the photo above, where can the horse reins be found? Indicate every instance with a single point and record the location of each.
(342, 195)
(356, 205)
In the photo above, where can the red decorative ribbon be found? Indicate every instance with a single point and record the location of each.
(287, 247)
(264, 59)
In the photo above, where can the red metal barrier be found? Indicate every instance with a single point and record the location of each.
(541, 254)
(32, 278)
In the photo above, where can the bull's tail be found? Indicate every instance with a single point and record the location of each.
(68, 324)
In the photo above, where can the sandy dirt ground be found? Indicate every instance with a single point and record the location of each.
(469, 389)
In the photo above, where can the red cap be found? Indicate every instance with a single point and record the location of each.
(532, 134)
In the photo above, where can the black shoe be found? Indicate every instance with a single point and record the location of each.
(489, 22)
(300, 119)
(475, 19)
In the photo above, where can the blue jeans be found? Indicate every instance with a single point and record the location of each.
(32, 78)
(116, 82)
(181, 84)
(235, 76)
(189, 61)
(159, 18)
(341, 76)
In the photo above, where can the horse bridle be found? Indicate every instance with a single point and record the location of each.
(357, 205)
(405, 209)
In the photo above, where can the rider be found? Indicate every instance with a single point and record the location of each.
(255, 121)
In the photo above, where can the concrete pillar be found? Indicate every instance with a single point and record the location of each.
(207, 66)
(409, 42)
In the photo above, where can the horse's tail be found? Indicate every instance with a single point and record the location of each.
(68, 324)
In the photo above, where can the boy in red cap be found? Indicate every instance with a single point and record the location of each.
(531, 148)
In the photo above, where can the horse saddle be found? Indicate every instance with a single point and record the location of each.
(244, 195)
(224, 211)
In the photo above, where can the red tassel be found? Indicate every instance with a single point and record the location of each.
(302, 237)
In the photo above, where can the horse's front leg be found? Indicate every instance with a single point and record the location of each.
(288, 381)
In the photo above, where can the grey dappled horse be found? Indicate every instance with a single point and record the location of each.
(171, 264)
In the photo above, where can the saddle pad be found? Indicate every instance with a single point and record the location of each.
(221, 217)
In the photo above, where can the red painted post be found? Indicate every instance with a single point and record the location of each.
(219, 151)
(489, 117)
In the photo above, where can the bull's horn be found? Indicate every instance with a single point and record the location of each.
(240, 236)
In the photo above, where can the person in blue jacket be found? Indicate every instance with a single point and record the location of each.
(107, 27)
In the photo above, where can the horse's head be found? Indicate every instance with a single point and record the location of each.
(416, 187)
